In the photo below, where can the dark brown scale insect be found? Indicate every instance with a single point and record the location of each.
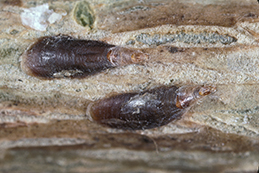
(148, 109)
(64, 56)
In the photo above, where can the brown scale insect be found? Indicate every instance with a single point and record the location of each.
(148, 109)
(64, 56)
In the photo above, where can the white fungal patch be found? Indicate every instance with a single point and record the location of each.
(40, 17)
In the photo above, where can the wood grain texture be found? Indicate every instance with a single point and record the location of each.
(188, 43)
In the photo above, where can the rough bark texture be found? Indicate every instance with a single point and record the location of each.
(44, 124)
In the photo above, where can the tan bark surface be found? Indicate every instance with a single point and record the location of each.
(44, 125)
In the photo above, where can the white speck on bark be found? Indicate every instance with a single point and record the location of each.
(39, 17)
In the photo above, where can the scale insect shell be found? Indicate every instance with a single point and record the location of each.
(148, 109)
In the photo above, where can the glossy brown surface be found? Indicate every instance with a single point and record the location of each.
(148, 109)
(64, 56)
(50, 55)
